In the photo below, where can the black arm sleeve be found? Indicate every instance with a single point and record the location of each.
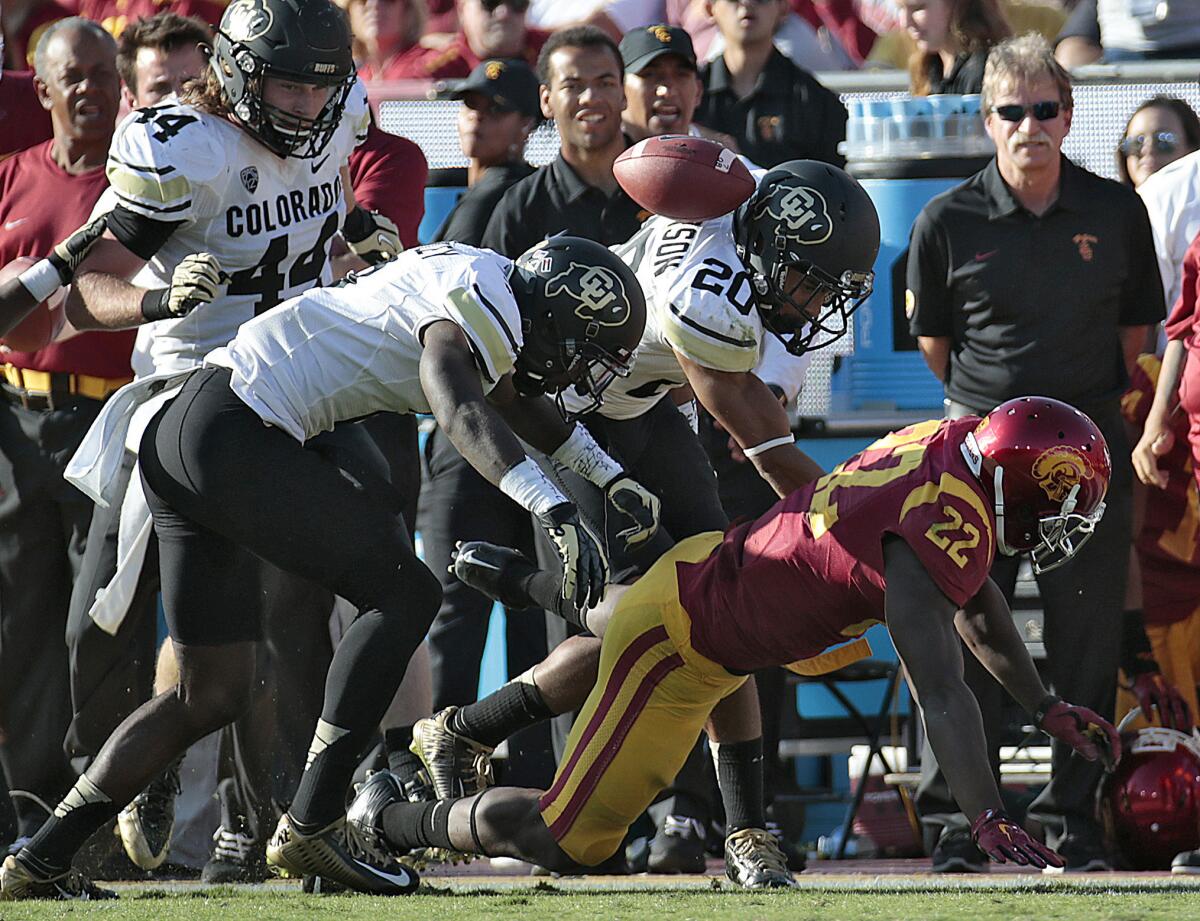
(139, 234)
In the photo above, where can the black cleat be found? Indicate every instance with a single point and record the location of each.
(365, 815)
(146, 824)
(18, 882)
(238, 856)
(337, 854)
(492, 570)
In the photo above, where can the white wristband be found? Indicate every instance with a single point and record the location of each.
(581, 454)
(768, 445)
(530, 488)
(40, 280)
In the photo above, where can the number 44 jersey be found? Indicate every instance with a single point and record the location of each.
(809, 573)
(699, 304)
(268, 219)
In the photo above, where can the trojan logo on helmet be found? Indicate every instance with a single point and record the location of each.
(600, 293)
(1059, 469)
(803, 211)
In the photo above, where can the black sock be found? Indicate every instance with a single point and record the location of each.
(545, 590)
(740, 775)
(409, 825)
(321, 796)
(401, 761)
(86, 807)
(512, 707)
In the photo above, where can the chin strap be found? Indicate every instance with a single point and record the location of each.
(998, 485)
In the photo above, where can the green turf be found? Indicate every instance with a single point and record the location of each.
(852, 901)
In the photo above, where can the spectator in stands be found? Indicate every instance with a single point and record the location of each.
(987, 259)
(1172, 199)
(23, 22)
(486, 29)
(156, 55)
(23, 121)
(48, 400)
(775, 110)
(387, 36)
(1160, 131)
(952, 39)
(118, 15)
(1128, 30)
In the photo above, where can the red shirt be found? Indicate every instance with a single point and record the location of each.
(23, 121)
(40, 204)
(1167, 545)
(458, 60)
(1184, 323)
(19, 45)
(397, 67)
(809, 573)
(388, 173)
(115, 15)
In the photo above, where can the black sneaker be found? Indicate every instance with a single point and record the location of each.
(1186, 863)
(337, 854)
(18, 882)
(238, 856)
(678, 847)
(365, 815)
(146, 824)
(1083, 854)
(488, 569)
(955, 852)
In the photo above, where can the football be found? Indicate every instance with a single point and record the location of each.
(43, 323)
(684, 178)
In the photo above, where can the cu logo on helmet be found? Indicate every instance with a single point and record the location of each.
(600, 293)
(1059, 469)
(802, 211)
(245, 20)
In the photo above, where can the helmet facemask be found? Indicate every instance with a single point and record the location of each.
(1051, 539)
(582, 365)
(822, 304)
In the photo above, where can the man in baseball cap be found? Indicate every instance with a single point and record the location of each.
(641, 46)
(510, 85)
(662, 88)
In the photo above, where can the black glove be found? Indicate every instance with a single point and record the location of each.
(67, 255)
(585, 571)
(196, 280)
(371, 236)
(635, 501)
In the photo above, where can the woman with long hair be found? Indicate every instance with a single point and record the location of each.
(952, 38)
(1160, 131)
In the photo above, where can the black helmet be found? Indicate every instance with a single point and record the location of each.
(582, 316)
(812, 217)
(302, 40)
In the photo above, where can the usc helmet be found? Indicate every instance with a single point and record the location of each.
(1150, 804)
(306, 41)
(1048, 466)
(814, 218)
(582, 315)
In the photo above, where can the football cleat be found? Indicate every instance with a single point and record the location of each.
(18, 882)
(146, 824)
(237, 855)
(365, 815)
(678, 846)
(457, 766)
(753, 860)
(489, 569)
(337, 854)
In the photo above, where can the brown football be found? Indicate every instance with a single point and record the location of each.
(684, 178)
(43, 323)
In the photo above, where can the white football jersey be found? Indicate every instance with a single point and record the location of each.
(268, 219)
(699, 303)
(344, 352)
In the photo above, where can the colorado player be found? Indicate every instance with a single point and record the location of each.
(905, 533)
(229, 481)
(794, 260)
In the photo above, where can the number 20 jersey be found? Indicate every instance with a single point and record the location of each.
(809, 573)
(268, 219)
(698, 304)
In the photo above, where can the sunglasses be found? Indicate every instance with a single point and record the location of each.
(1162, 141)
(1042, 111)
(517, 6)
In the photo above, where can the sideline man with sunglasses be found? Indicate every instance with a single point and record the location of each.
(1036, 276)
(486, 29)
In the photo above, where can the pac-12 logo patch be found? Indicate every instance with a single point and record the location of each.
(246, 20)
(600, 293)
(802, 211)
(250, 179)
(1059, 469)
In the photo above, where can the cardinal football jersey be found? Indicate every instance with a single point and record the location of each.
(344, 352)
(698, 303)
(268, 219)
(809, 573)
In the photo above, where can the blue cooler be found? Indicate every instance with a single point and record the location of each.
(443, 189)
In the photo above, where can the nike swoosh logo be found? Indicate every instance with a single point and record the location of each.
(9, 225)
(317, 166)
(404, 878)
(473, 560)
(984, 257)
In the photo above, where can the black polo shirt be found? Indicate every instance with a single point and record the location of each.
(1033, 305)
(469, 217)
(788, 115)
(965, 77)
(553, 199)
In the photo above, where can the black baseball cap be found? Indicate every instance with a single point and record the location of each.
(510, 84)
(641, 46)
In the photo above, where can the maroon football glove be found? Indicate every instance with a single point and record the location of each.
(1084, 730)
(1005, 841)
(1153, 691)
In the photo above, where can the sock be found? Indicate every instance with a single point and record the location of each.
(409, 825)
(320, 797)
(740, 776)
(512, 707)
(83, 810)
(401, 761)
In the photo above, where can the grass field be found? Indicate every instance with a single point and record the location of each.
(867, 899)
